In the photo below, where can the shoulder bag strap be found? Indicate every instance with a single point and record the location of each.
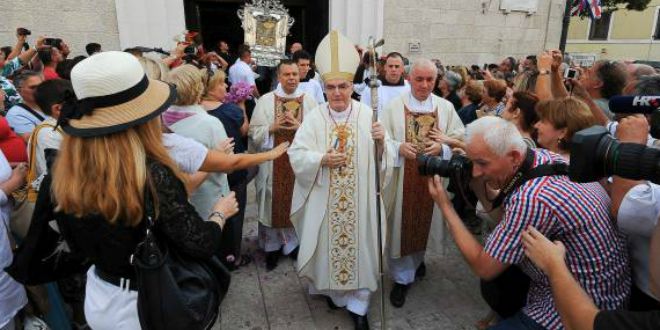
(30, 110)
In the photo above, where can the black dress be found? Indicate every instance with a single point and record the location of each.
(109, 247)
(232, 119)
(455, 100)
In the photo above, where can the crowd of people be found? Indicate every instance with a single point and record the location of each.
(98, 150)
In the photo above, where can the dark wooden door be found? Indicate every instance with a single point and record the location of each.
(217, 20)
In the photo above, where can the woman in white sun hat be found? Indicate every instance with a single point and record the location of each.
(111, 156)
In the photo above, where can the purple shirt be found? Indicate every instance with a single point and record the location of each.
(577, 214)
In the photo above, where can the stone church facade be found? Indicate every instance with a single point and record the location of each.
(454, 31)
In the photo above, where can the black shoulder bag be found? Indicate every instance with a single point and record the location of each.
(175, 291)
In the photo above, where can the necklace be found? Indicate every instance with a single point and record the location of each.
(342, 131)
(343, 126)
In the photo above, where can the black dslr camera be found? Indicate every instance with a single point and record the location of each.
(596, 154)
(458, 168)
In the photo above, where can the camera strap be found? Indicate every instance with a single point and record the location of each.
(526, 173)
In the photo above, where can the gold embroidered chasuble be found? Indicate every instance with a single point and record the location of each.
(417, 208)
(283, 177)
(334, 210)
(274, 181)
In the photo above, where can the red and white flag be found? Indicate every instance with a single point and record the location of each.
(594, 8)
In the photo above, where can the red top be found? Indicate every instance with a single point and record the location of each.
(11, 144)
(49, 73)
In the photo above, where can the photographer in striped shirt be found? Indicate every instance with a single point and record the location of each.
(577, 214)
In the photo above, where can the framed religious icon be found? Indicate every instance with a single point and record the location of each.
(418, 128)
(266, 24)
(292, 107)
(416, 221)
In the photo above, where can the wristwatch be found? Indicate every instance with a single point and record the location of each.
(544, 71)
(217, 214)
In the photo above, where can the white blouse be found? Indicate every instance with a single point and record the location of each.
(12, 293)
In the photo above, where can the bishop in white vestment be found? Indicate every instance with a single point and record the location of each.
(334, 200)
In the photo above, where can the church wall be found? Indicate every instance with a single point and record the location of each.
(470, 31)
(454, 31)
(78, 22)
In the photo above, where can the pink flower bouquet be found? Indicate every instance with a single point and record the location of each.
(239, 92)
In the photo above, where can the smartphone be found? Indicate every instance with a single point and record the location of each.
(23, 31)
(571, 73)
(53, 42)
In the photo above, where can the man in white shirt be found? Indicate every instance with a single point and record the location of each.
(637, 207)
(241, 71)
(392, 84)
(308, 85)
(24, 117)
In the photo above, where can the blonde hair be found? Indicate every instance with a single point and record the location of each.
(189, 81)
(152, 68)
(567, 112)
(107, 175)
(212, 82)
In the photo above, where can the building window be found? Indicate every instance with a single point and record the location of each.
(656, 30)
(600, 28)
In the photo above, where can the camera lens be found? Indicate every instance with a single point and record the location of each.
(428, 166)
(636, 162)
(595, 154)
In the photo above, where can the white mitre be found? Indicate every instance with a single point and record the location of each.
(336, 57)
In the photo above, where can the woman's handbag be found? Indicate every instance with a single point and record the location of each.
(176, 291)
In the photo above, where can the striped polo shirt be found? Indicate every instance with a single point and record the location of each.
(577, 214)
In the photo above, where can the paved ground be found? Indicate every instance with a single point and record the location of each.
(447, 298)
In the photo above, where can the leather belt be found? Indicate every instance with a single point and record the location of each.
(117, 280)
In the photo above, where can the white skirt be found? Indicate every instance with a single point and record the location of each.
(108, 306)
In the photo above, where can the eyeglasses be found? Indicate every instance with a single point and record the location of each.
(340, 88)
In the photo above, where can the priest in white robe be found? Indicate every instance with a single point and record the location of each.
(277, 113)
(392, 84)
(409, 120)
(334, 201)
